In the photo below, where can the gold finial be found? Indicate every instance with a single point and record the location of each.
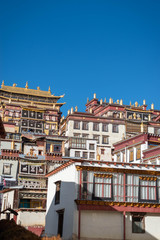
(130, 103)
(87, 100)
(144, 102)
(94, 95)
(117, 101)
(136, 104)
(152, 106)
(14, 84)
(101, 101)
(105, 100)
(71, 110)
(68, 112)
(110, 100)
(76, 109)
(63, 117)
(49, 89)
(134, 115)
(2, 84)
(121, 102)
(26, 85)
(38, 88)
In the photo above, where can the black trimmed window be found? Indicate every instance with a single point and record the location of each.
(105, 140)
(76, 125)
(148, 189)
(103, 187)
(115, 128)
(105, 127)
(138, 225)
(85, 126)
(57, 195)
(95, 126)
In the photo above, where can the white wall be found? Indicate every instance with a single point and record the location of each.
(30, 218)
(68, 191)
(152, 229)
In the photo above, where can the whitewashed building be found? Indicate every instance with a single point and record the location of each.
(109, 200)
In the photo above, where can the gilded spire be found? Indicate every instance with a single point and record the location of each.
(49, 89)
(2, 84)
(26, 85)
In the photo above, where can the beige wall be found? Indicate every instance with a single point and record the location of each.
(31, 218)
(101, 225)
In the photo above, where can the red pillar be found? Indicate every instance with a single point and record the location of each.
(124, 225)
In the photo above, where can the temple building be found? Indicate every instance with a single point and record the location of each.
(104, 200)
(29, 109)
(109, 122)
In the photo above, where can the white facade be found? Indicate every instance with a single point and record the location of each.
(68, 193)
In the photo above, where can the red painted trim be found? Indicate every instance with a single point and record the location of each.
(124, 225)
(119, 208)
(80, 194)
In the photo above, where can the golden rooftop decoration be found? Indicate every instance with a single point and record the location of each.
(76, 109)
(71, 110)
(101, 101)
(110, 100)
(130, 103)
(68, 112)
(105, 100)
(144, 102)
(117, 101)
(121, 102)
(136, 104)
(87, 100)
(152, 106)
(49, 89)
(94, 95)
(27, 91)
(26, 85)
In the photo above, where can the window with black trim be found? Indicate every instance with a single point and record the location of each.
(85, 126)
(148, 189)
(57, 195)
(105, 127)
(76, 125)
(102, 187)
(138, 225)
(115, 128)
(105, 140)
(95, 126)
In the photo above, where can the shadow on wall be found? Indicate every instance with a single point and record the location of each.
(62, 215)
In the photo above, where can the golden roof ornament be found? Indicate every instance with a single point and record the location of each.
(121, 102)
(38, 88)
(49, 89)
(26, 85)
(144, 102)
(117, 101)
(71, 110)
(68, 112)
(110, 100)
(136, 104)
(101, 101)
(87, 100)
(94, 95)
(152, 106)
(76, 109)
(105, 100)
(2, 84)
(130, 103)
(14, 84)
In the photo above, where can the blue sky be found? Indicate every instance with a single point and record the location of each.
(80, 47)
